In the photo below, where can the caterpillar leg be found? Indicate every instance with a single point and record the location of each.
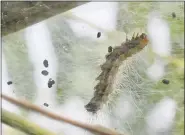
(126, 38)
(133, 36)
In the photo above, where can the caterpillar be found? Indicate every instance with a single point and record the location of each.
(114, 59)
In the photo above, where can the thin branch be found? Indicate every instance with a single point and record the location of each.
(92, 128)
(17, 15)
(22, 124)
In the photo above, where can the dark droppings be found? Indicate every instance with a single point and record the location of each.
(165, 81)
(44, 72)
(53, 82)
(45, 63)
(110, 49)
(99, 34)
(173, 15)
(45, 104)
(9, 82)
(50, 83)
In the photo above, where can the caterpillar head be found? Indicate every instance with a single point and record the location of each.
(138, 42)
(143, 40)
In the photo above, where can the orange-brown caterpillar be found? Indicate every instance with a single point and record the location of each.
(109, 69)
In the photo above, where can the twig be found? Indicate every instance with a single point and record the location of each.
(92, 128)
(22, 124)
(19, 15)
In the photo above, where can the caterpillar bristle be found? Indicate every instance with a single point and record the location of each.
(127, 38)
(99, 77)
(137, 36)
(133, 36)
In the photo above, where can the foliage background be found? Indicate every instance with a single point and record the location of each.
(79, 58)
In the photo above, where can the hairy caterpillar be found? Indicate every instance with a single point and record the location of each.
(109, 69)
